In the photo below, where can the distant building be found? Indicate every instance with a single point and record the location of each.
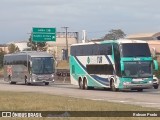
(58, 47)
(153, 39)
(22, 45)
(4, 48)
(145, 36)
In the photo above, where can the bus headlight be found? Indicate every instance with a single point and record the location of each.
(52, 75)
(150, 82)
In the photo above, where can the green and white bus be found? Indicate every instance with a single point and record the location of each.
(29, 67)
(116, 64)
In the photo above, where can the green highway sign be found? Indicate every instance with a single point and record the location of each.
(43, 34)
(43, 37)
(44, 30)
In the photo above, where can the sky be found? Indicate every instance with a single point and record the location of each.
(97, 17)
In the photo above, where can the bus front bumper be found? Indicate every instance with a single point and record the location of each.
(42, 78)
(42, 81)
(136, 86)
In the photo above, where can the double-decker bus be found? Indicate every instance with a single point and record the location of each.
(116, 64)
(29, 67)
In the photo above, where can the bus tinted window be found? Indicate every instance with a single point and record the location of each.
(93, 49)
(100, 69)
(135, 50)
(105, 49)
(42, 65)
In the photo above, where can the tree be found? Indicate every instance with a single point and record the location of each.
(1, 58)
(114, 34)
(12, 48)
(36, 45)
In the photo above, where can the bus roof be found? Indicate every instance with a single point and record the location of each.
(119, 41)
(31, 54)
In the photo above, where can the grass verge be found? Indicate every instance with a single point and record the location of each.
(19, 101)
(1, 72)
(63, 64)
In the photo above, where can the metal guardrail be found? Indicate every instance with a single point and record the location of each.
(62, 75)
(63, 72)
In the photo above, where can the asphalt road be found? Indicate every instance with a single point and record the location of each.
(147, 98)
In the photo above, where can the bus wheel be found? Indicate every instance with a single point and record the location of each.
(12, 82)
(155, 87)
(112, 85)
(46, 83)
(139, 90)
(25, 81)
(80, 84)
(9, 79)
(85, 86)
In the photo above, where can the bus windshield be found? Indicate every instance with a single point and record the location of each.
(42, 65)
(135, 50)
(137, 69)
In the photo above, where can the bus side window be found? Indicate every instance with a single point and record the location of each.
(105, 49)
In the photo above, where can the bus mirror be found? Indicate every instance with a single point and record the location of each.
(155, 64)
(122, 66)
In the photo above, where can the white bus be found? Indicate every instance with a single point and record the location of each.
(29, 67)
(115, 64)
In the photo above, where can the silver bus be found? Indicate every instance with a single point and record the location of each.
(29, 67)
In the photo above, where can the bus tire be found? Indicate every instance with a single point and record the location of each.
(28, 83)
(155, 87)
(140, 90)
(80, 83)
(85, 85)
(112, 85)
(9, 79)
(25, 80)
(46, 83)
(12, 82)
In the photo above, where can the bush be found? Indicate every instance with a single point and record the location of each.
(1, 59)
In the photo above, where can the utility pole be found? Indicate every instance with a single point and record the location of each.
(66, 42)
